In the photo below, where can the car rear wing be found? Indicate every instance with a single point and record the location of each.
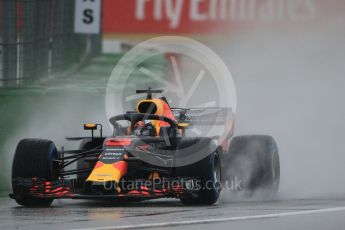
(204, 116)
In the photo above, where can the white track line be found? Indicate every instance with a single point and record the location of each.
(217, 220)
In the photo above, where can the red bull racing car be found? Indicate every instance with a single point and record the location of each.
(152, 154)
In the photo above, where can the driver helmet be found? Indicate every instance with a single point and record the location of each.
(144, 128)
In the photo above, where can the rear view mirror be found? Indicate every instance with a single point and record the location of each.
(90, 126)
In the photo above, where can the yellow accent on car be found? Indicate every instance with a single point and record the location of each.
(183, 125)
(154, 175)
(152, 103)
(90, 126)
(104, 173)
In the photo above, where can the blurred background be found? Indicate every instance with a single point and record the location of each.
(287, 58)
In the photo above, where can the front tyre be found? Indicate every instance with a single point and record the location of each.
(209, 172)
(34, 158)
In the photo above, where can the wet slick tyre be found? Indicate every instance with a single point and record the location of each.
(34, 158)
(209, 172)
(254, 161)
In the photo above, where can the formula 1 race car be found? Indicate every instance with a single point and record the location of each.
(153, 153)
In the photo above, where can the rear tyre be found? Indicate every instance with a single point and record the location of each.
(209, 172)
(254, 162)
(34, 158)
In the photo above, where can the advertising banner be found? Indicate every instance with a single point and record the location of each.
(207, 16)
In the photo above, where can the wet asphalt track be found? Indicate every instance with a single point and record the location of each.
(317, 213)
